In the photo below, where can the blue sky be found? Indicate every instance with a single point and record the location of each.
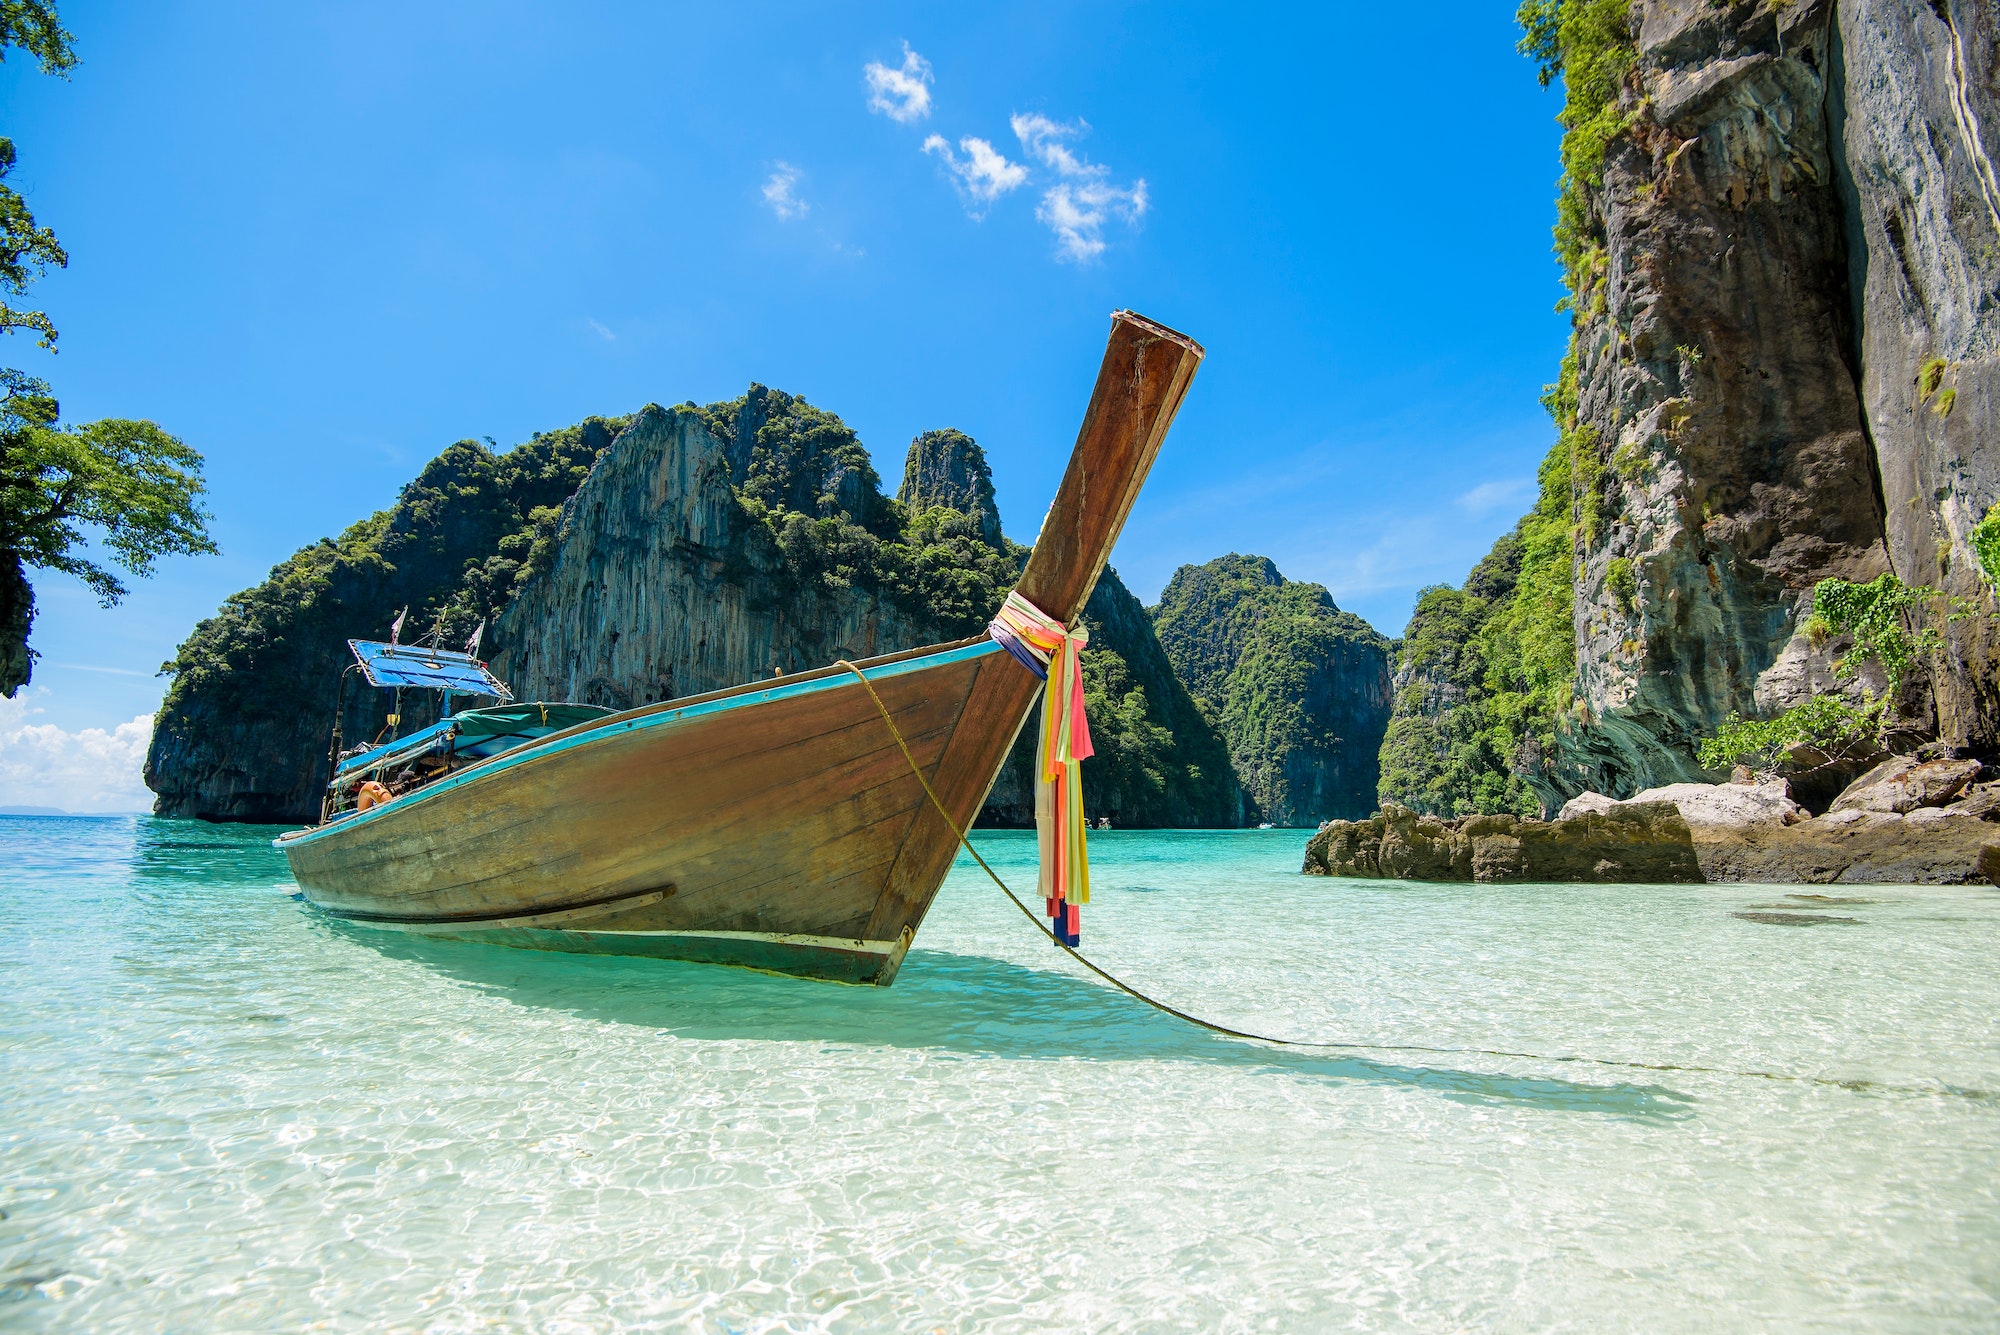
(322, 242)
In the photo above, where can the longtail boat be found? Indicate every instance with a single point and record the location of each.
(777, 824)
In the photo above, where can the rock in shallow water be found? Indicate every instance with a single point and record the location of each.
(1634, 842)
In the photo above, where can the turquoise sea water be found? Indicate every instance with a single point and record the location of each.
(221, 1112)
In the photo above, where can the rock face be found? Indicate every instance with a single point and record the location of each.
(1715, 376)
(1915, 115)
(668, 554)
(1301, 688)
(948, 468)
(242, 733)
(660, 586)
(1631, 842)
(1786, 290)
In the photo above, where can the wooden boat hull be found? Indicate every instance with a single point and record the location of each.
(762, 827)
(776, 825)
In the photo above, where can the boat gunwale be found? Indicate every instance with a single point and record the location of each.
(662, 712)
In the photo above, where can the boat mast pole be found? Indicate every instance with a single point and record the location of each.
(333, 748)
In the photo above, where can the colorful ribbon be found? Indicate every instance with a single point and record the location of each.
(1054, 652)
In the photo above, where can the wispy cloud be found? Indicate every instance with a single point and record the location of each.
(1082, 200)
(982, 175)
(91, 769)
(903, 94)
(781, 194)
(1043, 138)
(1077, 213)
(1487, 497)
(601, 331)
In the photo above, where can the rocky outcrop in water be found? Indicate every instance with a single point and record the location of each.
(1911, 820)
(1300, 688)
(1630, 843)
(676, 552)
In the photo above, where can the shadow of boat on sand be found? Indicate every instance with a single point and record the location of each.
(968, 1004)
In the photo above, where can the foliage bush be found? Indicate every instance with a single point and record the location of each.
(1879, 616)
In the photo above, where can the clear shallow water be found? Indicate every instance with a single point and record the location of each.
(219, 1111)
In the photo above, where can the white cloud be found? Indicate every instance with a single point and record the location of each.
(902, 94)
(1078, 205)
(88, 770)
(778, 193)
(1043, 138)
(1490, 496)
(982, 175)
(601, 331)
(1077, 213)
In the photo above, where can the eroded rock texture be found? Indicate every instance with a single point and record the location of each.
(1715, 367)
(623, 562)
(661, 586)
(1916, 123)
(1636, 842)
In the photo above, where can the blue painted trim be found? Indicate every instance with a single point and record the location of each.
(509, 759)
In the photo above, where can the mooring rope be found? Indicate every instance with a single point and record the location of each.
(1332, 1046)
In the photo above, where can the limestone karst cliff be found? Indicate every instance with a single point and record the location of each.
(1778, 222)
(1300, 688)
(242, 733)
(672, 574)
(630, 560)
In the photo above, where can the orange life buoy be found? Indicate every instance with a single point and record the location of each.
(371, 794)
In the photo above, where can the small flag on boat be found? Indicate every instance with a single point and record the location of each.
(472, 643)
(396, 626)
(1056, 652)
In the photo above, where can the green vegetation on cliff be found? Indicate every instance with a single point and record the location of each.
(242, 733)
(1461, 731)
(451, 549)
(1876, 617)
(807, 478)
(1486, 674)
(1299, 687)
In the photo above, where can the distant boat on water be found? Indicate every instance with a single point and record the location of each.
(775, 824)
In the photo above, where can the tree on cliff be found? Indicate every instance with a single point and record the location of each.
(130, 482)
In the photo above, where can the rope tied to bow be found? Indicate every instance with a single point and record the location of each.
(1054, 652)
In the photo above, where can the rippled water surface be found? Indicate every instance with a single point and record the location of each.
(219, 1111)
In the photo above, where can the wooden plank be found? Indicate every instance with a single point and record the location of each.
(1146, 372)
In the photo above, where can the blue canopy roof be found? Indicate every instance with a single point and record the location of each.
(430, 669)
